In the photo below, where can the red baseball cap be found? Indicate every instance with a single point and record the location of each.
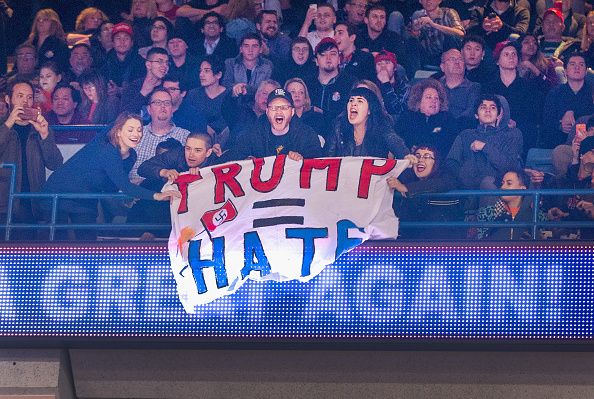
(385, 55)
(121, 27)
(557, 10)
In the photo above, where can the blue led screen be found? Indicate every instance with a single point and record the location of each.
(375, 291)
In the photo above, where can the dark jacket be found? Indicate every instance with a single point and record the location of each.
(41, 154)
(128, 70)
(332, 97)
(437, 131)
(500, 213)
(341, 142)
(515, 20)
(259, 142)
(226, 48)
(236, 72)
(502, 152)
(361, 65)
(172, 159)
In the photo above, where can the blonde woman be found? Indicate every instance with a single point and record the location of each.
(47, 35)
(87, 23)
(307, 114)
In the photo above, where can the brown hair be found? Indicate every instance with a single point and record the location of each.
(416, 94)
(112, 135)
(79, 26)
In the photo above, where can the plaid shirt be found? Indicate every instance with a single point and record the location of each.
(148, 145)
(432, 40)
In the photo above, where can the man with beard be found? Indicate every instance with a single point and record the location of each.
(134, 97)
(278, 133)
(327, 88)
(275, 44)
(80, 61)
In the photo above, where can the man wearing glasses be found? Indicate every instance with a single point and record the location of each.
(277, 133)
(135, 95)
(160, 128)
(480, 155)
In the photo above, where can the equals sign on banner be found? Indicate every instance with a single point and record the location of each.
(276, 203)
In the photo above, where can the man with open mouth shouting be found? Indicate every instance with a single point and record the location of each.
(277, 132)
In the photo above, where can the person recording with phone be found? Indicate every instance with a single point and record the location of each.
(27, 142)
(500, 19)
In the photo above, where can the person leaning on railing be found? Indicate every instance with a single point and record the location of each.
(102, 166)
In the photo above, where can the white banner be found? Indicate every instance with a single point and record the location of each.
(274, 218)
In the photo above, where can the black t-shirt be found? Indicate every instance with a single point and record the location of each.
(201, 4)
(279, 143)
(23, 133)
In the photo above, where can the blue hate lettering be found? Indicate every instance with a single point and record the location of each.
(254, 255)
(217, 262)
(308, 235)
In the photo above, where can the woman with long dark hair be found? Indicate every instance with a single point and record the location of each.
(96, 106)
(363, 129)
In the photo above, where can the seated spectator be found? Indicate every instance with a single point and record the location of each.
(242, 111)
(566, 155)
(524, 97)
(588, 39)
(323, 17)
(364, 130)
(49, 77)
(141, 16)
(275, 44)
(510, 209)
(87, 23)
(245, 72)
(469, 12)
(122, 64)
(183, 64)
(478, 69)
(328, 87)
(352, 60)
(65, 100)
(24, 67)
(195, 10)
(96, 106)
(101, 166)
(553, 44)
(215, 40)
(185, 115)
(158, 130)
(161, 31)
(301, 64)
(394, 89)
(80, 60)
(278, 133)
(376, 37)
(480, 155)
(462, 93)
(135, 94)
(48, 38)
(354, 13)
(574, 22)
(303, 110)
(534, 65)
(566, 103)
(368, 84)
(435, 29)
(26, 141)
(167, 9)
(207, 100)
(101, 44)
(427, 120)
(576, 207)
(428, 176)
(501, 18)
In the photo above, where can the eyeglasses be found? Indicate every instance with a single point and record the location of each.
(160, 62)
(158, 27)
(424, 156)
(162, 103)
(280, 108)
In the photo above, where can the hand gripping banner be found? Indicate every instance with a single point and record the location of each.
(274, 218)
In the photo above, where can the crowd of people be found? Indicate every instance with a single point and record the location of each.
(463, 89)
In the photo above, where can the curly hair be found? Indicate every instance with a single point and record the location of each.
(416, 94)
(79, 25)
